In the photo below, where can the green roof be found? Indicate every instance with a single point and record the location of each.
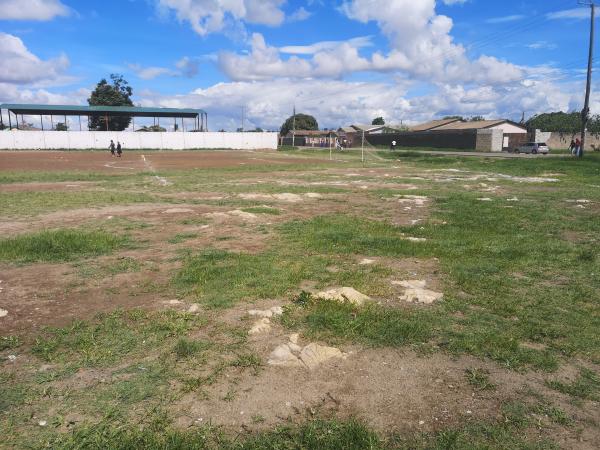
(75, 110)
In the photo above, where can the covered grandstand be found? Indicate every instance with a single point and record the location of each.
(199, 116)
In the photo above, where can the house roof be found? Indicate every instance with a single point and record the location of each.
(367, 128)
(311, 132)
(433, 124)
(347, 130)
(477, 125)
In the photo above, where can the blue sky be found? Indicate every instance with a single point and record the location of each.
(344, 61)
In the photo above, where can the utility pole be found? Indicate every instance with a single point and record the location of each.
(294, 127)
(585, 113)
(362, 151)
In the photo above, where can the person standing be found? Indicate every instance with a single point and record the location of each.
(112, 147)
(578, 149)
(572, 147)
(119, 149)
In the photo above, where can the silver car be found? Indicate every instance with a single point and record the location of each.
(533, 148)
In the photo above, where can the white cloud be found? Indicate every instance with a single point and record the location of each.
(185, 67)
(189, 67)
(505, 19)
(149, 73)
(338, 103)
(299, 15)
(32, 9)
(20, 66)
(421, 48)
(576, 13)
(542, 45)
(358, 42)
(209, 16)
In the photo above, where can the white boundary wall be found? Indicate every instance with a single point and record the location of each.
(80, 140)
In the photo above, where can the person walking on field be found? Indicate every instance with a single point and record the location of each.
(112, 147)
(572, 147)
(119, 149)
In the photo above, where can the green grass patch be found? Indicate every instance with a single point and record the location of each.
(262, 210)
(111, 337)
(35, 202)
(59, 245)
(479, 379)
(220, 278)
(187, 347)
(372, 324)
(586, 386)
(182, 237)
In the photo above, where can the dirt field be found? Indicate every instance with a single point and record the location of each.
(100, 161)
(163, 297)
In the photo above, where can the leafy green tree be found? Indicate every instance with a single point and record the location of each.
(303, 122)
(378, 121)
(453, 117)
(562, 122)
(152, 128)
(117, 93)
(476, 119)
(60, 126)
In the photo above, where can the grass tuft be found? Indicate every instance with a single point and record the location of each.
(58, 245)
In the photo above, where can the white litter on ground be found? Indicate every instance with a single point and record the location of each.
(268, 313)
(3, 312)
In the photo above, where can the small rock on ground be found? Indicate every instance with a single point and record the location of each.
(344, 294)
(274, 311)
(310, 356)
(194, 308)
(416, 293)
(3, 312)
(366, 262)
(177, 210)
(260, 326)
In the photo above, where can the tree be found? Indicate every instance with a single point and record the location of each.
(116, 94)
(461, 118)
(153, 128)
(60, 126)
(562, 122)
(303, 122)
(476, 119)
(378, 121)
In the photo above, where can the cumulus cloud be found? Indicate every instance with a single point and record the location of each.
(338, 103)
(20, 66)
(575, 13)
(149, 73)
(299, 15)
(209, 16)
(422, 48)
(41, 10)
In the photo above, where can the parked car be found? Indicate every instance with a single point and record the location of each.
(533, 148)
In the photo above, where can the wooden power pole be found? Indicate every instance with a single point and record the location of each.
(585, 113)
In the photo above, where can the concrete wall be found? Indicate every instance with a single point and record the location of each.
(557, 140)
(75, 140)
(489, 140)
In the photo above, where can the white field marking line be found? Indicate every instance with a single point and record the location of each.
(162, 181)
(112, 166)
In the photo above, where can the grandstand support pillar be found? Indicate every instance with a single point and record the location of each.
(42, 122)
(9, 121)
(133, 123)
(17, 120)
(51, 122)
(80, 123)
(106, 119)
